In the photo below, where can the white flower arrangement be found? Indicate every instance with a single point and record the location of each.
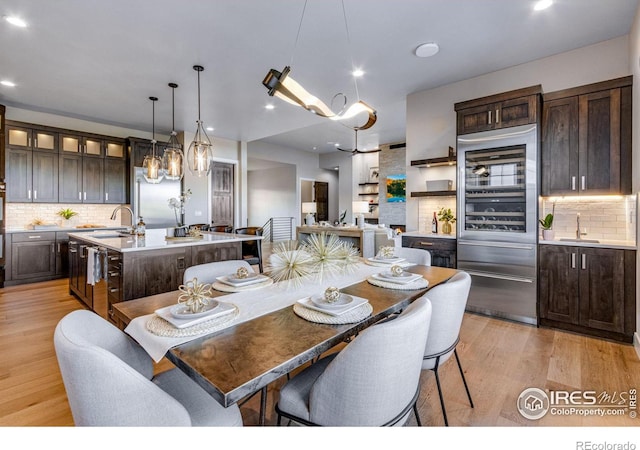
(177, 204)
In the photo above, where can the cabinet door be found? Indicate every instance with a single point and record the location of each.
(92, 180)
(74, 264)
(559, 153)
(45, 177)
(599, 142)
(472, 120)
(558, 283)
(18, 175)
(33, 259)
(515, 112)
(70, 170)
(115, 181)
(602, 289)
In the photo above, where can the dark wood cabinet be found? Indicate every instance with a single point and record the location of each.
(138, 148)
(2, 142)
(443, 251)
(78, 272)
(92, 180)
(509, 109)
(62, 254)
(588, 290)
(70, 186)
(33, 256)
(115, 181)
(586, 139)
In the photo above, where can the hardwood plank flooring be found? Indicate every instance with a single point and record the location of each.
(500, 359)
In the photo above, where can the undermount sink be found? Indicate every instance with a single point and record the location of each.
(111, 235)
(586, 241)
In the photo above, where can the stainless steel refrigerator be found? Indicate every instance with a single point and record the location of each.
(497, 220)
(151, 201)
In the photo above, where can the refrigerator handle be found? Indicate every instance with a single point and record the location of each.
(500, 277)
(498, 245)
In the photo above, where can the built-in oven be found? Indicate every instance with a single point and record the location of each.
(497, 220)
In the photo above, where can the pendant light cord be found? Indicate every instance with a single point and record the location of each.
(295, 45)
(353, 68)
(198, 96)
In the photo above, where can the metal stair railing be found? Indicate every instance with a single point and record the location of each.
(278, 229)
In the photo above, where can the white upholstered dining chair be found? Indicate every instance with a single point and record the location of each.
(109, 381)
(373, 381)
(449, 301)
(417, 256)
(208, 272)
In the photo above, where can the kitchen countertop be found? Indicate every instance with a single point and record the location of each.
(602, 243)
(61, 229)
(155, 239)
(426, 234)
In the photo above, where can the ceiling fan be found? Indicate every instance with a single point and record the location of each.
(355, 149)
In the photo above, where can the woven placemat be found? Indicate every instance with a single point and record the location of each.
(218, 286)
(420, 283)
(160, 327)
(401, 264)
(355, 315)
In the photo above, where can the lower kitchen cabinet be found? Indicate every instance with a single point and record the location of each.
(588, 290)
(31, 257)
(443, 251)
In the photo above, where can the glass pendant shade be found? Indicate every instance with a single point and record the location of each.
(152, 164)
(173, 158)
(200, 151)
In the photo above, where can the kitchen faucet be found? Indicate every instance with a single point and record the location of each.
(113, 215)
(579, 233)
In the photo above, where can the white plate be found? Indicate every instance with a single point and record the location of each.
(236, 282)
(398, 280)
(393, 260)
(342, 301)
(234, 277)
(180, 311)
(402, 276)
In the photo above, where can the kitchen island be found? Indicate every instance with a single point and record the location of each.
(139, 266)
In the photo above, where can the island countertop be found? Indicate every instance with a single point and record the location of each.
(156, 239)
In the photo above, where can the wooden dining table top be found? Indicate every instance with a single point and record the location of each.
(240, 360)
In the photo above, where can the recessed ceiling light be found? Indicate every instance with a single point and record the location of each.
(269, 106)
(17, 21)
(336, 168)
(7, 83)
(542, 4)
(426, 50)
(357, 73)
(337, 144)
(210, 128)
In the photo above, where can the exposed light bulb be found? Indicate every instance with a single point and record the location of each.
(542, 4)
(7, 83)
(17, 21)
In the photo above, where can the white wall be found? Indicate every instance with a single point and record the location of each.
(272, 193)
(431, 119)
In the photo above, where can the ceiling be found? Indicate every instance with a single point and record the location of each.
(101, 60)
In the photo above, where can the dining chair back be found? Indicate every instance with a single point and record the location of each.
(199, 226)
(208, 272)
(108, 380)
(252, 250)
(449, 301)
(373, 381)
(221, 228)
(414, 255)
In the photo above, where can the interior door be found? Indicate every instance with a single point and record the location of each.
(321, 194)
(222, 194)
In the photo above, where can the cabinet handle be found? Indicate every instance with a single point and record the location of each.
(35, 237)
(113, 290)
(35, 195)
(28, 142)
(53, 247)
(426, 243)
(573, 260)
(58, 247)
(29, 194)
(73, 242)
(85, 195)
(583, 182)
(79, 195)
(73, 250)
(106, 196)
(584, 261)
(497, 116)
(35, 142)
(114, 274)
(573, 183)
(489, 117)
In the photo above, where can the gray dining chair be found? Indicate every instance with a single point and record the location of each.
(373, 381)
(208, 272)
(417, 256)
(109, 381)
(449, 301)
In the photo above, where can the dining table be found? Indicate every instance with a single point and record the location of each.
(254, 349)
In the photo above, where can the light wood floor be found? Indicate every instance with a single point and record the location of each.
(500, 360)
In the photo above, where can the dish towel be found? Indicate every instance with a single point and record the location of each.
(96, 267)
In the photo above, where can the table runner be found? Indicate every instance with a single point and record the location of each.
(251, 304)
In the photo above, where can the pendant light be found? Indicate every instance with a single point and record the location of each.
(152, 164)
(172, 160)
(200, 152)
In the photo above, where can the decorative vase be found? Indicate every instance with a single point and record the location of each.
(548, 235)
(446, 228)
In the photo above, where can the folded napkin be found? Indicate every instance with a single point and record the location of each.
(315, 303)
(406, 277)
(167, 313)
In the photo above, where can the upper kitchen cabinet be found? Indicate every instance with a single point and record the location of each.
(139, 148)
(31, 160)
(586, 139)
(509, 109)
(2, 125)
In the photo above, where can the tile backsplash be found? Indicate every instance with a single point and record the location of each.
(606, 217)
(428, 205)
(20, 215)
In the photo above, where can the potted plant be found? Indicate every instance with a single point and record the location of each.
(546, 224)
(67, 213)
(446, 215)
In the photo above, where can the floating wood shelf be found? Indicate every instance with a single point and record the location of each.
(435, 162)
(368, 184)
(434, 194)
